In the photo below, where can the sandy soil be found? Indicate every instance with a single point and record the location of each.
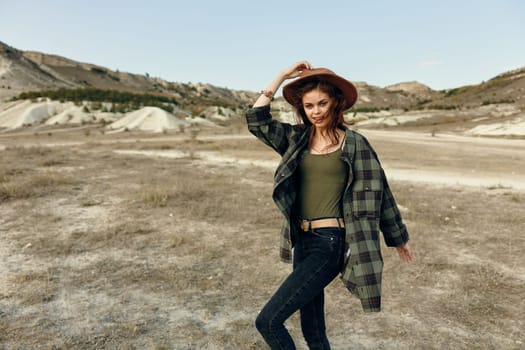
(160, 242)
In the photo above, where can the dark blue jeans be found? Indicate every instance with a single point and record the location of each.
(318, 258)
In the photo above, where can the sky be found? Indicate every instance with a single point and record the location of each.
(243, 44)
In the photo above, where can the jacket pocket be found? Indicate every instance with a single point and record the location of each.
(366, 199)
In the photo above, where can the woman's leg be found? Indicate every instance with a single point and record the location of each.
(312, 314)
(313, 324)
(317, 261)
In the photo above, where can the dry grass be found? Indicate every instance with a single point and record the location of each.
(20, 181)
(40, 184)
(132, 252)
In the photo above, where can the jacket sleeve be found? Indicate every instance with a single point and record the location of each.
(272, 132)
(390, 222)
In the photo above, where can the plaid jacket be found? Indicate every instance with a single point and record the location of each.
(368, 204)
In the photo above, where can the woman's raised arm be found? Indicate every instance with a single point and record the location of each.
(289, 73)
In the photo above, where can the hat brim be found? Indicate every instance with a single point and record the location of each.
(348, 89)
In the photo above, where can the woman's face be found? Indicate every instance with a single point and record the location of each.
(317, 106)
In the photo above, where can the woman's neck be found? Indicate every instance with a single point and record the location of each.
(321, 132)
(324, 140)
(325, 134)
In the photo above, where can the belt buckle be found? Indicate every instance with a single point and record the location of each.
(306, 225)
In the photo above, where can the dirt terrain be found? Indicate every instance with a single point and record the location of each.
(137, 241)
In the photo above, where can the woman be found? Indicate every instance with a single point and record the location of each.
(335, 199)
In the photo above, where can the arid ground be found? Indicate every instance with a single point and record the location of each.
(139, 241)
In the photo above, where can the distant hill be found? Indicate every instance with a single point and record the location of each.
(508, 87)
(411, 87)
(22, 71)
(399, 96)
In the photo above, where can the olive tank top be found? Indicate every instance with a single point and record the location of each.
(322, 179)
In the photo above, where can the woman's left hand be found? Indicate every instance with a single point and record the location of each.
(295, 69)
(405, 254)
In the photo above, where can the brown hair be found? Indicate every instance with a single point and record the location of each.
(336, 112)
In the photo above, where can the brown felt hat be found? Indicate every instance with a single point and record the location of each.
(347, 88)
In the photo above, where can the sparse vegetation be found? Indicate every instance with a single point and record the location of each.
(155, 197)
(194, 131)
(442, 107)
(452, 92)
(502, 101)
(34, 186)
(122, 101)
(89, 202)
(22, 183)
(370, 109)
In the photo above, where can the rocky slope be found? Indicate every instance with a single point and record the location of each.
(22, 71)
(28, 70)
(508, 87)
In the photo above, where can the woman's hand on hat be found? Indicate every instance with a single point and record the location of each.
(295, 69)
(289, 73)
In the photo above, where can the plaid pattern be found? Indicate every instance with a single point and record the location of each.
(368, 204)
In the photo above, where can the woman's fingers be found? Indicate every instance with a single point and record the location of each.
(294, 70)
(304, 65)
(405, 254)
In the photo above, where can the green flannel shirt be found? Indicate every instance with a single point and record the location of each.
(368, 203)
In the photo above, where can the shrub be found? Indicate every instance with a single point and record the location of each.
(34, 186)
(502, 101)
(155, 197)
(451, 92)
(10, 191)
(370, 109)
(99, 95)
